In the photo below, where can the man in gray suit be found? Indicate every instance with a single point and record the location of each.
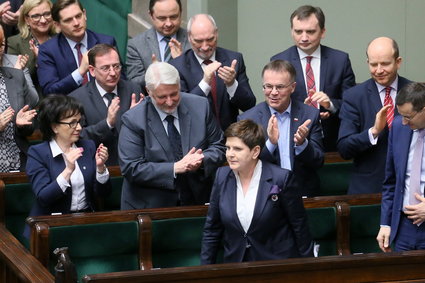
(165, 40)
(170, 145)
(105, 99)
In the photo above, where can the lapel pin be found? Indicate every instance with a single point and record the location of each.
(84, 167)
(296, 119)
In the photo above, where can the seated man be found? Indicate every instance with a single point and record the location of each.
(105, 98)
(169, 145)
(62, 60)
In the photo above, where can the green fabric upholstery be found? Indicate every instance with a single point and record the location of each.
(334, 178)
(19, 200)
(177, 242)
(98, 248)
(322, 223)
(364, 226)
(113, 201)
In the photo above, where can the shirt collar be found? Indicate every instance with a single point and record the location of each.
(315, 54)
(103, 92)
(201, 61)
(56, 150)
(73, 43)
(288, 110)
(160, 37)
(162, 114)
(393, 85)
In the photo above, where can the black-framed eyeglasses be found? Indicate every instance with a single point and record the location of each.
(72, 124)
(107, 68)
(279, 88)
(37, 17)
(412, 117)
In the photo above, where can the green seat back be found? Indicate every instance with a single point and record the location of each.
(177, 242)
(19, 200)
(98, 248)
(364, 226)
(322, 224)
(334, 178)
(113, 201)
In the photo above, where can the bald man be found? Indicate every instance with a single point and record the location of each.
(366, 116)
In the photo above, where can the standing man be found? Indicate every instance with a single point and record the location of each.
(366, 115)
(164, 41)
(323, 73)
(214, 72)
(293, 128)
(62, 60)
(105, 98)
(170, 145)
(403, 202)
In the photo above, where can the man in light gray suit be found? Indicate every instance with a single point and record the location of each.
(165, 40)
(170, 145)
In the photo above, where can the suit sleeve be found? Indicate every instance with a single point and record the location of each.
(352, 139)
(295, 212)
(313, 155)
(48, 75)
(30, 98)
(244, 98)
(136, 68)
(389, 184)
(213, 229)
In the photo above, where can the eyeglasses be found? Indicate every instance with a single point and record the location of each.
(279, 88)
(107, 68)
(37, 17)
(72, 124)
(411, 118)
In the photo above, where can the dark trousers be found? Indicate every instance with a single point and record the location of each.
(410, 236)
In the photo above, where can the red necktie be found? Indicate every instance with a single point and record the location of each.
(213, 85)
(80, 57)
(389, 101)
(311, 84)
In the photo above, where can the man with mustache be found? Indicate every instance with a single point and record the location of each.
(62, 61)
(214, 72)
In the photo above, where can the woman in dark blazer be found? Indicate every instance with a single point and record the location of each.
(253, 211)
(65, 172)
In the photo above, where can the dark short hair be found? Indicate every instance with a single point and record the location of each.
(99, 50)
(396, 51)
(413, 93)
(53, 109)
(251, 133)
(280, 66)
(306, 11)
(153, 2)
(59, 5)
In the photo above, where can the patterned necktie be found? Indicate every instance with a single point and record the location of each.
(109, 96)
(167, 51)
(415, 171)
(174, 138)
(311, 84)
(80, 57)
(389, 101)
(213, 91)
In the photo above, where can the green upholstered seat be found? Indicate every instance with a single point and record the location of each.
(364, 226)
(98, 248)
(177, 242)
(334, 178)
(19, 199)
(322, 223)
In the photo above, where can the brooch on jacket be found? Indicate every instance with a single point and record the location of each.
(274, 191)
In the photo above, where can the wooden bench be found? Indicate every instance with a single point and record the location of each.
(405, 267)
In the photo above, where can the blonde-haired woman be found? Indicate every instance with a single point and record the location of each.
(36, 27)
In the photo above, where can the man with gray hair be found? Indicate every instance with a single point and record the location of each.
(213, 72)
(169, 145)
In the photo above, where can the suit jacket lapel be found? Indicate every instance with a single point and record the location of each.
(96, 99)
(405, 137)
(185, 124)
(157, 128)
(323, 67)
(67, 53)
(374, 95)
(296, 62)
(296, 120)
(229, 195)
(153, 43)
(195, 69)
(221, 57)
(262, 195)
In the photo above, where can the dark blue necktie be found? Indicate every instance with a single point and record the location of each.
(174, 138)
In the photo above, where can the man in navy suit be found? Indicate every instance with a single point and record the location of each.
(170, 145)
(403, 202)
(363, 134)
(105, 98)
(214, 72)
(62, 60)
(331, 69)
(294, 133)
